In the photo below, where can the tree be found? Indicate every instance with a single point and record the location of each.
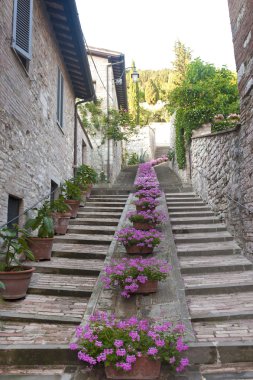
(182, 60)
(151, 92)
(133, 97)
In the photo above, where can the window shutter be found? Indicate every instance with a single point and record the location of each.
(22, 27)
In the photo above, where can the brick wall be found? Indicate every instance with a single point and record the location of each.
(33, 148)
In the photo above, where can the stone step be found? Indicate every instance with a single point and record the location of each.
(94, 222)
(188, 209)
(99, 208)
(195, 220)
(180, 195)
(186, 205)
(83, 239)
(36, 372)
(110, 191)
(185, 200)
(102, 215)
(104, 204)
(216, 263)
(16, 333)
(103, 197)
(100, 230)
(208, 237)
(221, 306)
(59, 265)
(112, 199)
(190, 214)
(232, 371)
(194, 228)
(62, 285)
(232, 330)
(80, 251)
(208, 249)
(41, 308)
(212, 283)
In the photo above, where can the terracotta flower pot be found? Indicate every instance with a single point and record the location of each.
(16, 283)
(135, 250)
(143, 226)
(89, 190)
(149, 287)
(74, 207)
(61, 222)
(41, 247)
(143, 369)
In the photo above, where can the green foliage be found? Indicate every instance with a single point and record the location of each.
(181, 62)
(59, 205)
(86, 175)
(43, 221)
(151, 92)
(204, 92)
(14, 247)
(171, 155)
(71, 190)
(133, 97)
(136, 158)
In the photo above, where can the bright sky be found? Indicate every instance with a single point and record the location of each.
(146, 30)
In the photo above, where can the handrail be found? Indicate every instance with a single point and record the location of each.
(246, 208)
(30, 208)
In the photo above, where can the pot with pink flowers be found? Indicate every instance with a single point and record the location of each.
(147, 203)
(139, 241)
(135, 276)
(131, 348)
(146, 220)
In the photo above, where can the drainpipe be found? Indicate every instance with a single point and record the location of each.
(107, 110)
(75, 137)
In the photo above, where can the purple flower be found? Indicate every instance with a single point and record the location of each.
(180, 346)
(98, 343)
(73, 346)
(172, 360)
(101, 357)
(118, 343)
(120, 352)
(131, 359)
(160, 342)
(134, 336)
(152, 351)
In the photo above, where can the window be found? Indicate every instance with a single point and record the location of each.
(84, 153)
(22, 29)
(13, 210)
(53, 189)
(60, 85)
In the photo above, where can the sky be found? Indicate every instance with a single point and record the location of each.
(146, 30)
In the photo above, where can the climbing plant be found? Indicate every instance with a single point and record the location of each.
(204, 92)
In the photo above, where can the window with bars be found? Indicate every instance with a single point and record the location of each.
(22, 29)
(60, 86)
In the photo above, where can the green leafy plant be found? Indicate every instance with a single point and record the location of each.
(86, 175)
(43, 221)
(59, 205)
(136, 158)
(171, 155)
(14, 247)
(71, 190)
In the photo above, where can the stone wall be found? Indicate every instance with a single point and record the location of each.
(143, 143)
(242, 30)
(33, 149)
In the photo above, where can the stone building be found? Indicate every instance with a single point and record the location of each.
(109, 79)
(43, 69)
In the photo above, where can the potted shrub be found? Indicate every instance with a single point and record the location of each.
(14, 277)
(148, 193)
(131, 348)
(147, 203)
(146, 220)
(41, 246)
(145, 183)
(72, 196)
(86, 176)
(135, 275)
(61, 215)
(138, 241)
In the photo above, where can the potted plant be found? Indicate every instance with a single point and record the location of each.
(150, 193)
(14, 277)
(72, 196)
(131, 348)
(145, 183)
(41, 245)
(86, 176)
(146, 220)
(61, 213)
(135, 275)
(143, 204)
(138, 241)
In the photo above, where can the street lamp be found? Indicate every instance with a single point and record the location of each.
(118, 81)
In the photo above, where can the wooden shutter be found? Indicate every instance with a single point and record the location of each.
(60, 86)
(22, 27)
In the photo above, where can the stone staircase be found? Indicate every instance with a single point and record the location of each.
(60, 288)
(218, 278)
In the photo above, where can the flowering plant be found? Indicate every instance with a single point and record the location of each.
(120, 343)
(130, 273)
(147, 202)
(150, 193)
(149, 216)
(146, 183)
(131, 236)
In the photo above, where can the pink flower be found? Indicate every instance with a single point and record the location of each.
(118, 343)
(120, 352)
(134, 335)
(152, 351)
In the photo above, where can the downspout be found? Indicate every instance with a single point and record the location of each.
(75, 136)
(107, 111)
